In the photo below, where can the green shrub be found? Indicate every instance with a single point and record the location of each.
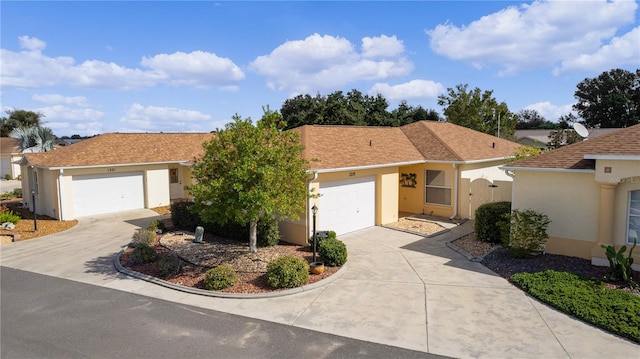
(321, 235)
(168, 265)
(143, 254)
(333, 252)
(619, 264)
(488, 218)
(7, 177)
(9, 216)
(6, 195)
(142, 237)
(182, 218)
(527, 234)
(157, 225)
(611, 309)
(220, 277)
(287, 272)
(17, 192)
(268, 232)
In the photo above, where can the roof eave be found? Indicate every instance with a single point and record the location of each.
(367, 167)
(546, 169)
(613, 157)
(108, 165)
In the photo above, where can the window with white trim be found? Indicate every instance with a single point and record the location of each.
(633, 227)
(438, 187)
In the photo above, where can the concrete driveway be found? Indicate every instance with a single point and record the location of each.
(398, 289)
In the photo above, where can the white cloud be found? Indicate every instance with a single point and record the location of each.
(550, 111)
(382, 46)
(66, 120)
(139, 118)
(31, 43)
(416, 89)
(197, 68)
(30, 68)
(534, 35)
(326, 63)
(621, 51)
(55, 99)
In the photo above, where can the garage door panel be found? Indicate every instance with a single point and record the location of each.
(98, 194)
(347, 205)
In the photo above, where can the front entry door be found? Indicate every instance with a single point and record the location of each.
(175, 183)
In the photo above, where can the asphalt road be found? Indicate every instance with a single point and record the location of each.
(49, 317)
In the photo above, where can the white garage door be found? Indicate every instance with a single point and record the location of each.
(106, 193)
(349, 205)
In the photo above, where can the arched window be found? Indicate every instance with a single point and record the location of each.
(633, 226)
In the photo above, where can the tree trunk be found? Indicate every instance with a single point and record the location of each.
(253, 236)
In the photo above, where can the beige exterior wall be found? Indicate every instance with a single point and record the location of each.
(412, 200)
(621, 209)
(482, 183)
(570, 199)
(299, 231)
(50, 182)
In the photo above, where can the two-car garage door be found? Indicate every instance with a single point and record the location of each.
(106, 193)
(348, 205)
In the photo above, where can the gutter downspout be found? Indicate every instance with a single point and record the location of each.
(513, 183)
(308, 219)
(456, 189)
(60, 193)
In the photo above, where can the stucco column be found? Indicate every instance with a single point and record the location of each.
(607, 200)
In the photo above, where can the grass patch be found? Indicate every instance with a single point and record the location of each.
(613, 310)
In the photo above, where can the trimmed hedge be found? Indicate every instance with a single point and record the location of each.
(489, 218)
(333, 252)
(220, 277)
(587, 299)
(168, 265)
(287, 272)
(143, 254)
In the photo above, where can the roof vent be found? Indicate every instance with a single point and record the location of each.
(493, 145)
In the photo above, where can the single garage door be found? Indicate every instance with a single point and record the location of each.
(106, 193)
(347, 206)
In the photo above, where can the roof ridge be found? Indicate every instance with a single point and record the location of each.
(456, 154)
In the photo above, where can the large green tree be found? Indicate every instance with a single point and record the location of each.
(19, 118)
(249, 172)
(478, 110)
(610, 100)
(533, 120)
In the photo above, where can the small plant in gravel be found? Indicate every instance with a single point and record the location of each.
(142, 237)
(157, 226)
(287, 272)
(17, 192)
(527, 232)
(489, 217)
(143, 253)
(587, 299)
(169, 264)
(6, 195)
(333, 252)
(220, 277)
(619, 264)
(9, 216)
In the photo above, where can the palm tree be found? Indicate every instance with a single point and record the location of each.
(34, 139)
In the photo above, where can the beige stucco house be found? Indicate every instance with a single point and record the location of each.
(365, 176)
(369, 176)
(590, 190)
(10, 156)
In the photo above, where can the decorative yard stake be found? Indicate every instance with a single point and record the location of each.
(35, 216)
(199, 234)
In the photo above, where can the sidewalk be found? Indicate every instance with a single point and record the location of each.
(398, 289)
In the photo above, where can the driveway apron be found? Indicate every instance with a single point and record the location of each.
(398, 288)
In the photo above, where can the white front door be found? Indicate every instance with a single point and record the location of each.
(348, 205)
(175, 183)
(106, 193)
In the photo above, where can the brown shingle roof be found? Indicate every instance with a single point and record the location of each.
(625, 141)
(354, 146)
(124, 148)
(444, 141)
(9, 145)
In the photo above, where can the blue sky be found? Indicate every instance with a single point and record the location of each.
(149, 66)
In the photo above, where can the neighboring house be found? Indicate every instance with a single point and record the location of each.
(369, 176)
(111, 172)
(590, 190)
(365, 175)
(10, 156)
(540, 138)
